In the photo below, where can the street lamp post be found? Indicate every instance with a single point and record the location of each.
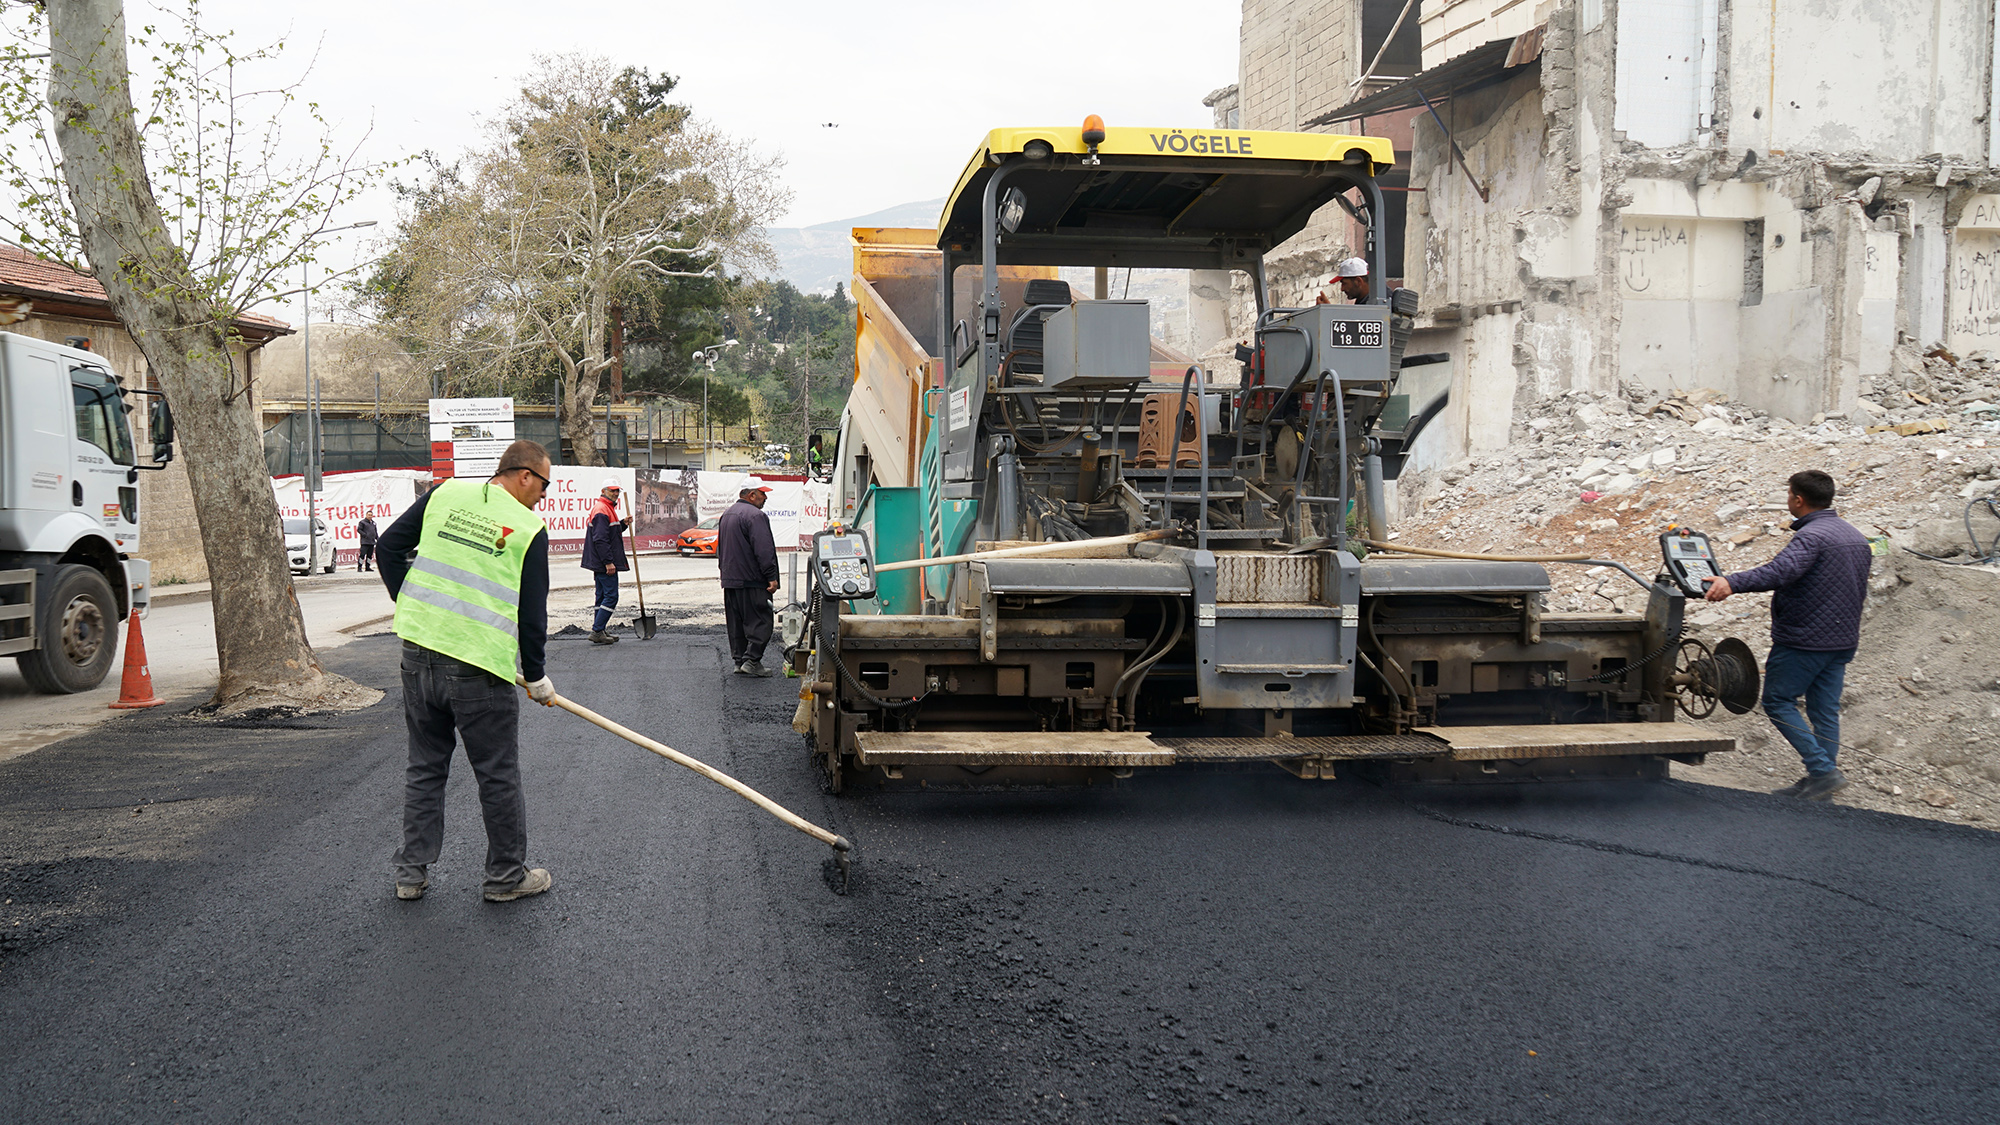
(313, 481)
(707, 355)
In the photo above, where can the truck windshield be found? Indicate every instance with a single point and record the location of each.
(100, 413)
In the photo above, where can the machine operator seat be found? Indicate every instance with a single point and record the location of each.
(1025, 334)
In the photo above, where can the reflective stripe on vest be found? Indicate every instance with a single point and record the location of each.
(461, 596)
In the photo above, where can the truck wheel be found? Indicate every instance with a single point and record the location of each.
(77, 624)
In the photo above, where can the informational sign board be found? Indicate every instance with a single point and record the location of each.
(469, 434)
(796, 507)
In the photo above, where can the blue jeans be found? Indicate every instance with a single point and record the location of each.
(607, 599)
(1819, 676)
(443, 697)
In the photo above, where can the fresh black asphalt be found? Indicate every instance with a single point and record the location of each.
(199, 927)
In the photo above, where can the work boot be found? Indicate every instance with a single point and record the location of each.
(754, 668)
(411, 891)
(600, 637)
(534, 882)
(1822, 786)
(1791, 790)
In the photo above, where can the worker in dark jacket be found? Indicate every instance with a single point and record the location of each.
(1820, 581)
(364, 559)
(747, 558)
(604, 556)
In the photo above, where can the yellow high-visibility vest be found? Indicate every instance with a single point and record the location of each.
(462, 595)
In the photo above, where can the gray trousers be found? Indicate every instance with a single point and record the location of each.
(746, 615)
(442, 695)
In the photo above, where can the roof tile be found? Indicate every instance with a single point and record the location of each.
(21, 270)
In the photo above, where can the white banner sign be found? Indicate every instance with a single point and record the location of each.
(573, 490)
(349, 497)
(797, 509)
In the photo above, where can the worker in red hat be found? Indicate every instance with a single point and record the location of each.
(746, 556)
(604, 556)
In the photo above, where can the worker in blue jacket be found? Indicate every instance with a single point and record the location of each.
(604, 556)
(1819, 582)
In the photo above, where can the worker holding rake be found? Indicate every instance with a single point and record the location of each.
(472, 600)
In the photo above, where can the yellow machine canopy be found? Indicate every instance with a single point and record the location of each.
(1156, 197)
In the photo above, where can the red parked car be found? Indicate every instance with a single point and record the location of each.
(697, 540)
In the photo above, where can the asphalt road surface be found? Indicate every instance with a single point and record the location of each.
(199, 926)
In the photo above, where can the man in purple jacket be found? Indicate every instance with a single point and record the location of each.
(747, 558)
(1819, 581)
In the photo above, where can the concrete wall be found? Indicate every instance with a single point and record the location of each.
(1717, 287)
(345, 359)
(1894, 79)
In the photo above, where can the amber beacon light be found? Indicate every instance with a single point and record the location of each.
(1093, 135)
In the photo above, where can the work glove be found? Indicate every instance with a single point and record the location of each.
(625, 523)
(542, 692)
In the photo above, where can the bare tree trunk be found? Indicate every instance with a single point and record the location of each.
(581, 425)
(260, 637)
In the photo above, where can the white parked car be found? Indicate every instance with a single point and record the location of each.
(295, 547)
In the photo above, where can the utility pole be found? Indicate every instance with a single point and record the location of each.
(312, 480)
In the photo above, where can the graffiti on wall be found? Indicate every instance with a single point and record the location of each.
(1975, 290)
(1652, 254)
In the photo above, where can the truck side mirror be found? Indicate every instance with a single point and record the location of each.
(160, 421)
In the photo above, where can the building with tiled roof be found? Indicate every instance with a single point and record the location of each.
(59, 291)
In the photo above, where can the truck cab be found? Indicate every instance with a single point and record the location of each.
(69, 510)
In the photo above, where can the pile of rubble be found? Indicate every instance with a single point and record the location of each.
(1604, 475)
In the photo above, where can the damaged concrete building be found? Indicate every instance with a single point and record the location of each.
(1779, 201)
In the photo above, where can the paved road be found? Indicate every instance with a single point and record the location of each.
(205, 933)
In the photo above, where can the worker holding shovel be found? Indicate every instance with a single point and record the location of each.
(604, 556)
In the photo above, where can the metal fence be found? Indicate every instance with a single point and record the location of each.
(349, 445)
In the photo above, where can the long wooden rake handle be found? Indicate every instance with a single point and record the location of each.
(837, 842)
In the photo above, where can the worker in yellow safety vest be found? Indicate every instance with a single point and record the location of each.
(468, 566)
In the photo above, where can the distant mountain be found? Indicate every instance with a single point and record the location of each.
(817, 257)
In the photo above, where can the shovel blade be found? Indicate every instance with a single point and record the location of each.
(646, 627)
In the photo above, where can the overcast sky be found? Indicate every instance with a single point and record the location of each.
(911, 86)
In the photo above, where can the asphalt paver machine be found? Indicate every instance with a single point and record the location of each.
(1064, 552)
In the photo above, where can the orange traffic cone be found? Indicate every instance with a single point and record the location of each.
(136, 690)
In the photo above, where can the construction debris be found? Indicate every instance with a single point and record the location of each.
(1922, 637)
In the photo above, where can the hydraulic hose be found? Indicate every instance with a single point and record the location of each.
(1139, 670)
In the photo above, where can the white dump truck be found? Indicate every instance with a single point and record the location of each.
(69, 510)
